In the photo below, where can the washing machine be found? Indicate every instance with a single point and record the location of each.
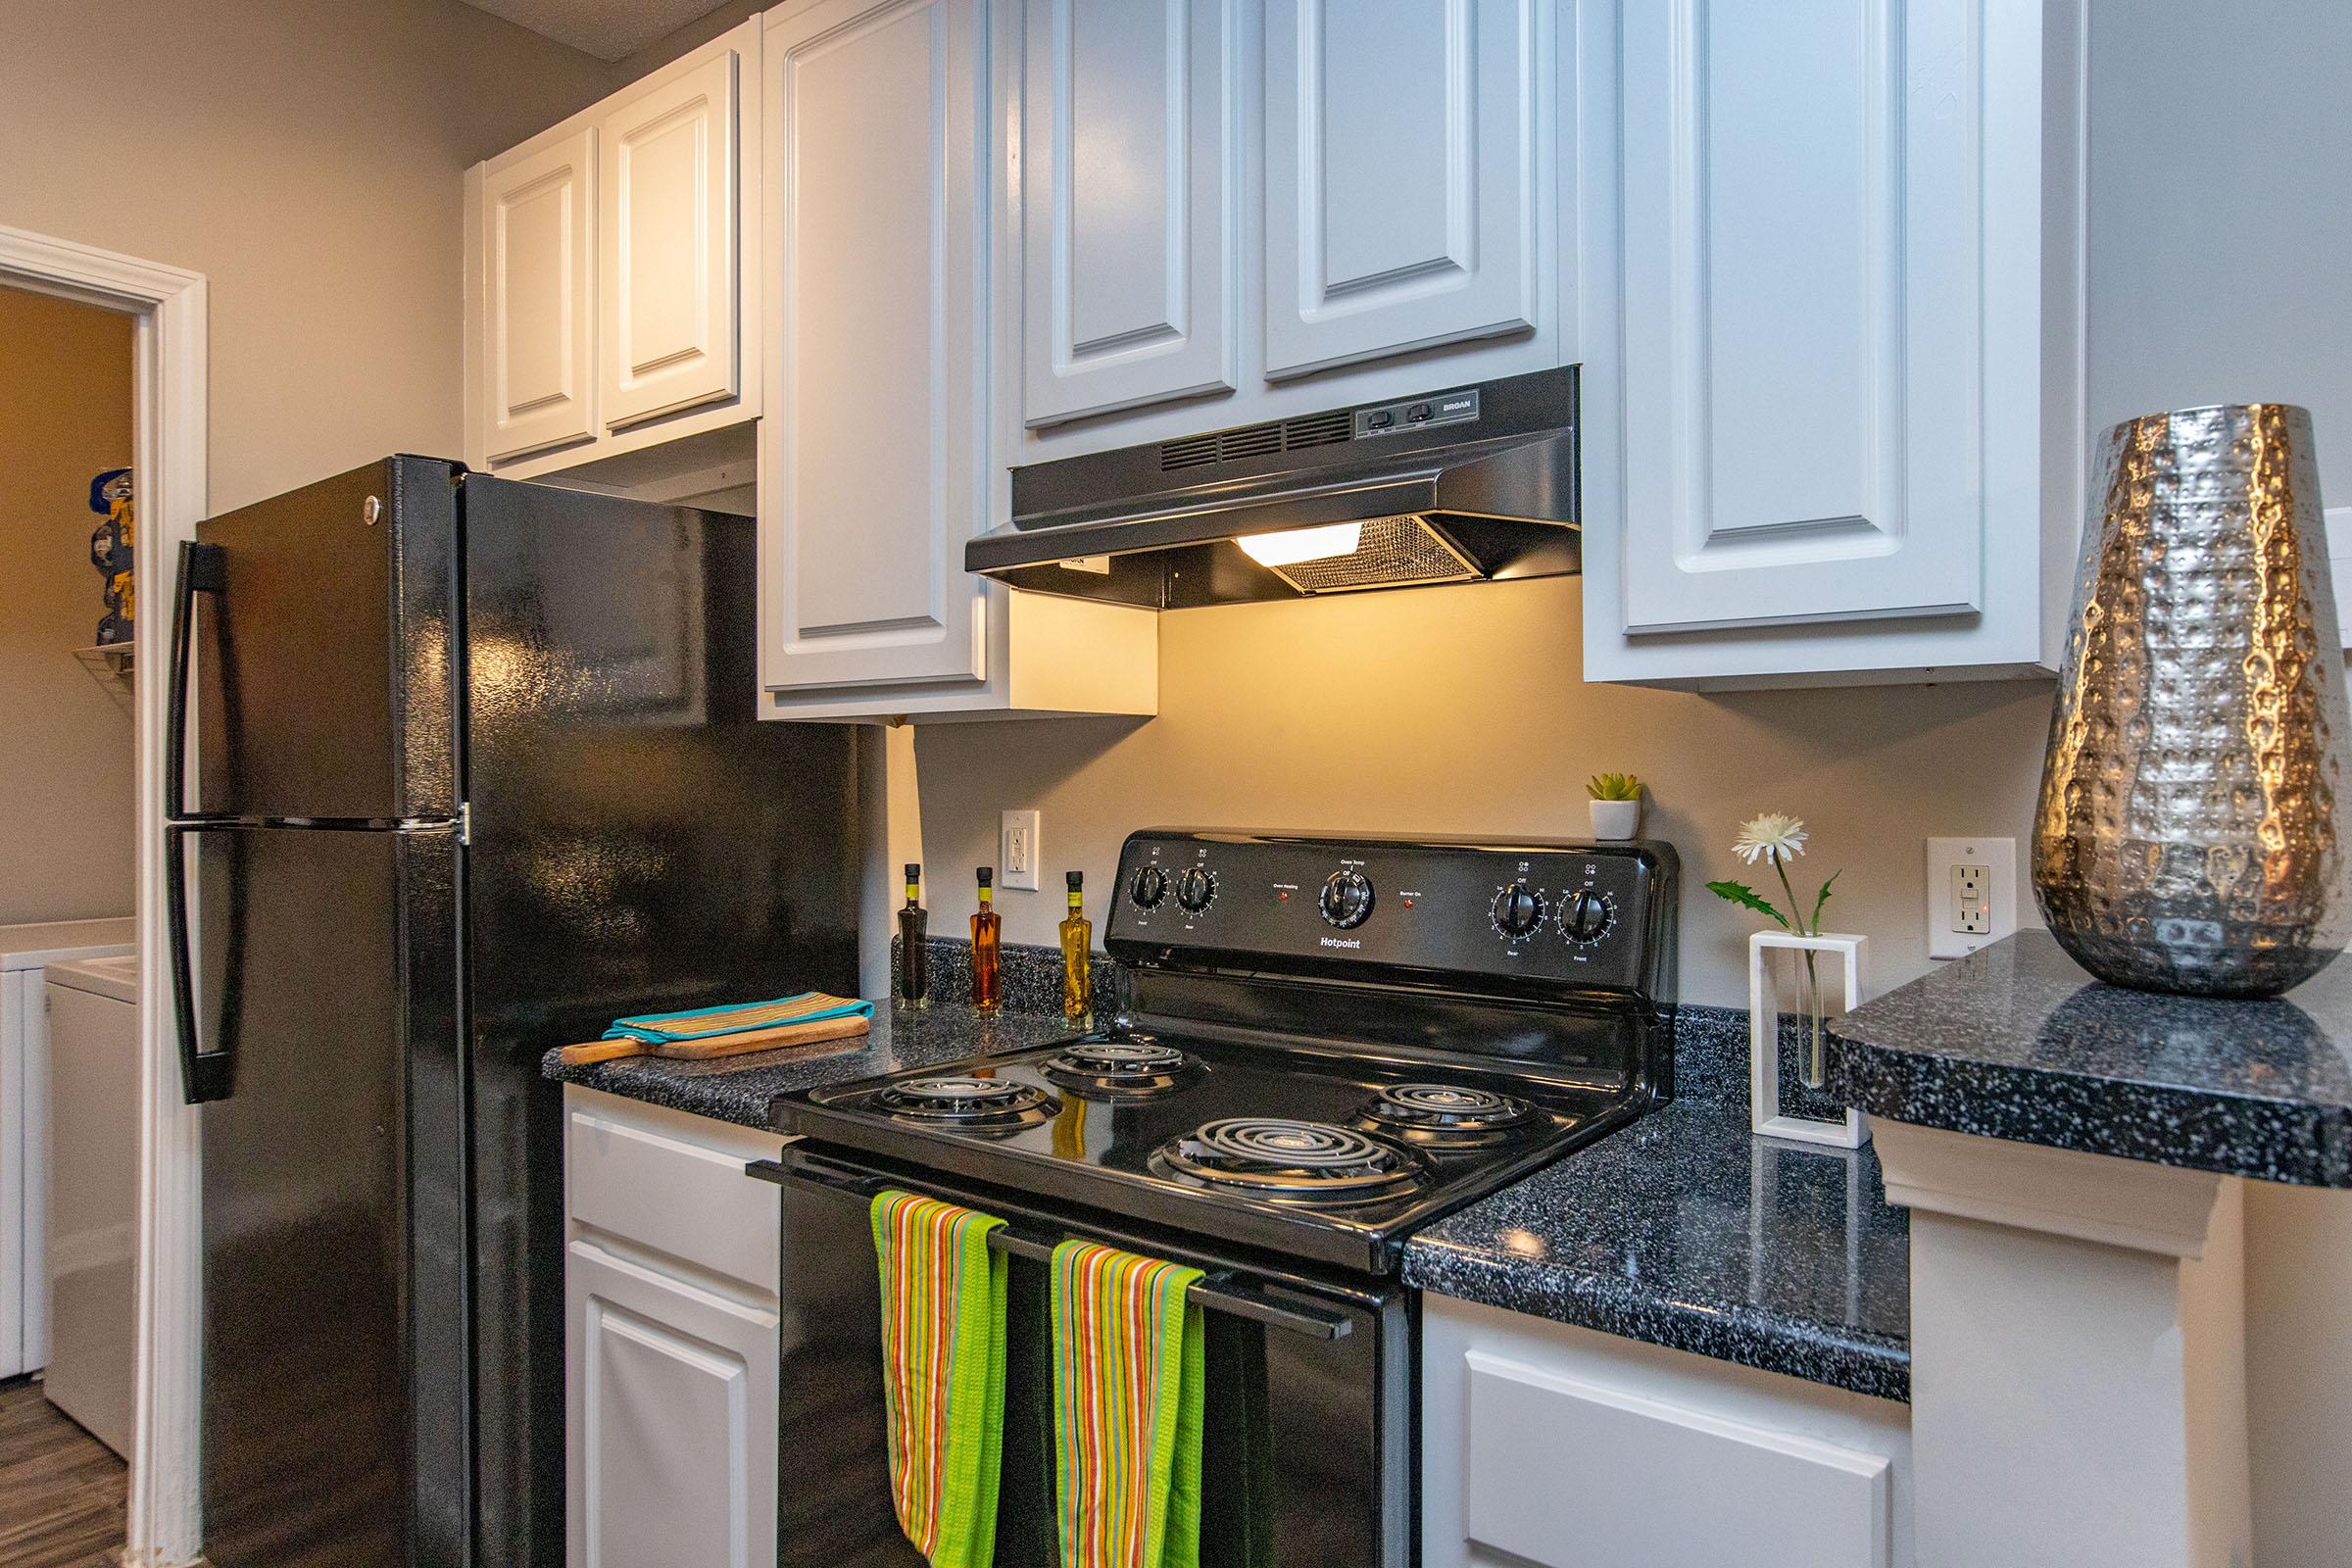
(93, 1199)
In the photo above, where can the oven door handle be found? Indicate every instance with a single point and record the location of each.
(1224, 1290)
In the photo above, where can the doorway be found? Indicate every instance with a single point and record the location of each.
(69, 1032)
(165, 308)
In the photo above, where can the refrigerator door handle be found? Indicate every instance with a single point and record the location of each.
(202, 569)
(203, 1075)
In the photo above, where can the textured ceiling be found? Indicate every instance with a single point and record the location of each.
(608, 29)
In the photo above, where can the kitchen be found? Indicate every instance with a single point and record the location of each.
(1365, 714)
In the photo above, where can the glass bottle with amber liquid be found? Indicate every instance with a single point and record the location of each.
(915, 955)
(987, 935)
(1077, 956)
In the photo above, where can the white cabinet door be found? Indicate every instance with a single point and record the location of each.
(538, 283)
(666, 210)
(1128, 277)
(875, 458)
(1803, 261)
(1564, 1472)
(1403, 144)
(669, 245)
(673, 1420)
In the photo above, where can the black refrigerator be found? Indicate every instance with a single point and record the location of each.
(461, 769)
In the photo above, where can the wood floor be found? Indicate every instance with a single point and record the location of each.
(61, 1490)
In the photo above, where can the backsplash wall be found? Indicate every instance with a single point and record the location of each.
(1464, 711)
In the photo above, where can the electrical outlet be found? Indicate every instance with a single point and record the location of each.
(1018, 849)
(1971, 894)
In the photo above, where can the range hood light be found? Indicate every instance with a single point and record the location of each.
(1302, 544)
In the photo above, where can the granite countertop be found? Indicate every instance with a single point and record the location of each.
(737, 1088)
(1686, 1231)
(2019, 1042)
(1682, 1230)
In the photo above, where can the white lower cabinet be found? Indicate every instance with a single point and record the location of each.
(1549, 1445)
(671, 1340)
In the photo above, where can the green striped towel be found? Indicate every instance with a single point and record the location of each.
(943, 1373)
(702, 1023)
(1127, 1402)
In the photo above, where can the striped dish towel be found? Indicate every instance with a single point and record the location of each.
(702, 1023)
(1127, 1401)
(943, 1373)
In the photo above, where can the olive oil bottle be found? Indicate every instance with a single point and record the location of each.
(987, 934)
(1077, 955)
(915, 955)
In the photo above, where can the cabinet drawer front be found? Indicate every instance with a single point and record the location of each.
(692, 1204)
(672, 1440)
(1128, 111)
(1805, 260)
(1406, 144)
(667, 200)
(874, 436)
(538, 297)
(1566, 1473)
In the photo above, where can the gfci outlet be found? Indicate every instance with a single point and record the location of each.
(1971, 894)
(1018, 851)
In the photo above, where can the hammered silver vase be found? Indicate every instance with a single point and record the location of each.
(2191, 829)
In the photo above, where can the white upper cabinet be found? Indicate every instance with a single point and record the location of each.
(875, 446)
(538, 318)
(1403, 141)
(1830, 268)
(667, 195)
(1130, 189)
(605, 265)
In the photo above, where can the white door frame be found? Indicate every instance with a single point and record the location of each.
(168, 451)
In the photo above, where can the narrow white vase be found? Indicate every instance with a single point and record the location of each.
(1781, 984)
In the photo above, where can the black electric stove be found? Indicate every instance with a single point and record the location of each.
(1320, 1045)
(1324, 1044)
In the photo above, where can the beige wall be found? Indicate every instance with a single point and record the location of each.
(68, 850)
(1464, 711)
(306, 156)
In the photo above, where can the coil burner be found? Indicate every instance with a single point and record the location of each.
(1295, 1162)
(1448, 1116)
(968, 1103)
(1120, 1069)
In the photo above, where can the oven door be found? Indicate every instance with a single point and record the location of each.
(1309, 1438)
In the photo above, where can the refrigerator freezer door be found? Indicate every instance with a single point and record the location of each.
(325, 670)
(641, 842)
(336, 1260)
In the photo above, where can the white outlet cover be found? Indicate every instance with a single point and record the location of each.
(1019, 848)
(1996, 856)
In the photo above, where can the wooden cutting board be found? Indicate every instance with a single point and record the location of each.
(782, 1038)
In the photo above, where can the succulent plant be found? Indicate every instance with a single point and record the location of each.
(1614, 787)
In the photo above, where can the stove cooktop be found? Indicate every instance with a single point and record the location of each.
(1331, 1041)
(1302, 1148)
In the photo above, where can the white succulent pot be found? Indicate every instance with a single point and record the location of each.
(1616, 820)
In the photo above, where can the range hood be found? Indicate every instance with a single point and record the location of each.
(1469, 484)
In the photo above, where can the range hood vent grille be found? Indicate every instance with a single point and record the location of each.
(1391, 552)
(1257, 440)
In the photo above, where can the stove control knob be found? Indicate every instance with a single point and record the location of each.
(1151, 885)
(1517, 910)
(1347, 898)
(1195, 888)
(1585, 917)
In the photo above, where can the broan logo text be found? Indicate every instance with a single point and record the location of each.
(1342, 941)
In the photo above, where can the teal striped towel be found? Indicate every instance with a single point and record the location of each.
(702, 1023)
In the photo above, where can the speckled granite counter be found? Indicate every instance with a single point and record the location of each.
(737, 1088)
(2018, 1042)
(1685, 1231)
